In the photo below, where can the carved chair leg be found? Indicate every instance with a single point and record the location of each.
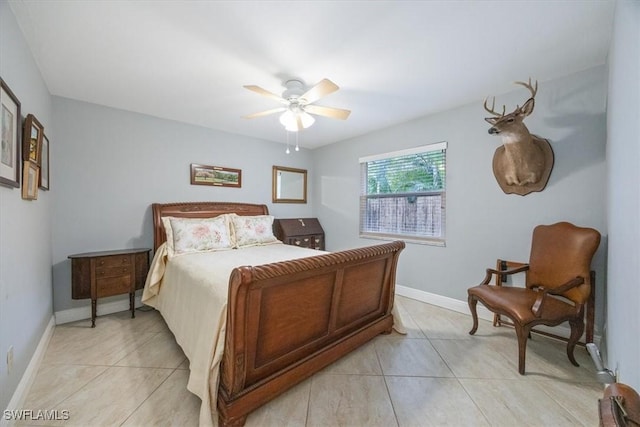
(523, 333)
(577, 328)
(473, 302)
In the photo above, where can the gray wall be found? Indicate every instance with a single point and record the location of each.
(112, 164)
(623, 161)
(483, 223)
(25, 226)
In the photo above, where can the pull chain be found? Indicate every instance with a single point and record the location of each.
(287, 151)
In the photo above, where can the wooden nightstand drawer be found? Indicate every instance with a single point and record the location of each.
(113, 261)
(112, 271)
(113, 286)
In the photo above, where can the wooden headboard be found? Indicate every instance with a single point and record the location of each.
(197, 210)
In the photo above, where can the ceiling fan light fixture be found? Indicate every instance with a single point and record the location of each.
(289, 120)
(299, 104)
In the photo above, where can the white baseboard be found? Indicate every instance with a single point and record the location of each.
(82, 313)
(483, 313)
(19, 395)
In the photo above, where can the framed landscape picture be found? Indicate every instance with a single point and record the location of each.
(9, 137)
(215, 175)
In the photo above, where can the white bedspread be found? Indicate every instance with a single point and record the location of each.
(191, 291)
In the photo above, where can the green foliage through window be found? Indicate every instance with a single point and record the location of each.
(404, 174)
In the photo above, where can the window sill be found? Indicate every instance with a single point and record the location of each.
(406, 239)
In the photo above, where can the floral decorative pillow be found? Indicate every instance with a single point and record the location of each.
(253, 230)
(189, 235)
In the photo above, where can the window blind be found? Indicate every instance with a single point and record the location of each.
(403, 194)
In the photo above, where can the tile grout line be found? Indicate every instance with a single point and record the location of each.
(84, 386)
(386, 385)
(150, 394)
(486, 417)
(544, 390)
(137, 347)
(306, 420)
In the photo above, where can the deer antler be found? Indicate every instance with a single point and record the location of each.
(530, 87)
(493, 106)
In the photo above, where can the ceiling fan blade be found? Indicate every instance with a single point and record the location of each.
(323, 88)
(334, 113)
(264, 92)
(265, 113)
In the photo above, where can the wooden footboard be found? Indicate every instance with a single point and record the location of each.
(288, 320)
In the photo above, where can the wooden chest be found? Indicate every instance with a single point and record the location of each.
(103, 274)
(303, 232)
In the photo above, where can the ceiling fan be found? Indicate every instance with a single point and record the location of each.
(299, 104)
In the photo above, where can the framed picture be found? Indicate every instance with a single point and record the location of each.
(215, 175)
(32, 139)
(30, 172)
(9, 137)
(43, 181)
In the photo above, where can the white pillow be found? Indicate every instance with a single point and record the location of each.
(189, 235)
(252, 230)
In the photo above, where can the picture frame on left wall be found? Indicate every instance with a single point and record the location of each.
(9, 137)
(43, 180)
(32, 139)
(30, 173)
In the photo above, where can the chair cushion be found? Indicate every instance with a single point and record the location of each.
(516, 303)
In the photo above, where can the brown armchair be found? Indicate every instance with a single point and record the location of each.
(557, 285)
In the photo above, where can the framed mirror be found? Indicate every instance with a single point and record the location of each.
(289, 185)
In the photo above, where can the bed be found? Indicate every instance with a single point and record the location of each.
(279, 314)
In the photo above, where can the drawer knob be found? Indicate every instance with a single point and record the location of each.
(101, 272)
(297, 242)
(306, 240)
(102, 262)
(124, 270)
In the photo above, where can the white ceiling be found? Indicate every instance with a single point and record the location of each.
(393, 60)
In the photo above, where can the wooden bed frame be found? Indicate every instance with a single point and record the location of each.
(288, 320)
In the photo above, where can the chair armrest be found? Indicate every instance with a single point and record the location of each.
(491, 272)
(536, 308)
(577, 281)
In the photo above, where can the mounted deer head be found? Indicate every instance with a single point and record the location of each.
(523, 160)
(511, 124)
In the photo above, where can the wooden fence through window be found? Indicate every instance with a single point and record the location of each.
(415, 215)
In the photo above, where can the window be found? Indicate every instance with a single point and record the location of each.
(403, 195)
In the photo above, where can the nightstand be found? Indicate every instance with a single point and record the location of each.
(303, 232)
(103, 274)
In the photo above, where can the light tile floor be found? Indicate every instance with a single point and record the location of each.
(131, 372)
